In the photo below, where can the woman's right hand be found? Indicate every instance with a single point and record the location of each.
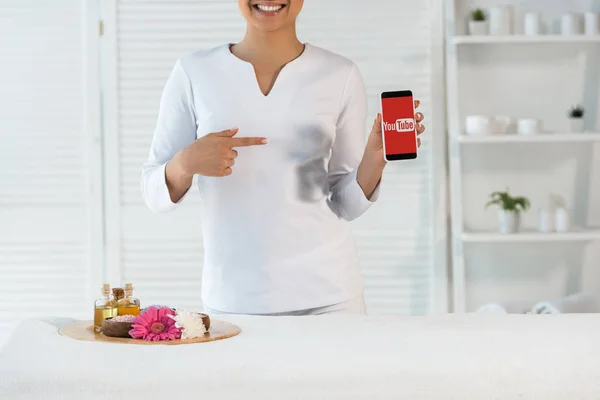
(213, 154)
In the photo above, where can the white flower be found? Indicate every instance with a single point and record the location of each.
(190, 323)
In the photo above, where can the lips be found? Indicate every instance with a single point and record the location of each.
(268, 7)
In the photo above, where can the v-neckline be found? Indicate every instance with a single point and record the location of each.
(279, 74)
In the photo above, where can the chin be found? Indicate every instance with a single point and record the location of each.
(268, 27)
(270, 15)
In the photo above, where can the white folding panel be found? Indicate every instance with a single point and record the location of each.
(45, 163)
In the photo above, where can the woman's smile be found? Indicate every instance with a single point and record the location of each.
(268, 8)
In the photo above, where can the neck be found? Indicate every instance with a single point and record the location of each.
(269, 47)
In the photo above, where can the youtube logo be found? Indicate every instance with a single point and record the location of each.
(401, 125)
(405, 125)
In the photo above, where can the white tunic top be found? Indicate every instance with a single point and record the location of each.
(276, 231)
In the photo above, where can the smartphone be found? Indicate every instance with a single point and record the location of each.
(398, 125)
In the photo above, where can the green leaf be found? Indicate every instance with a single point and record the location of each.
(478, 15)
(505, 201)
(576, 111)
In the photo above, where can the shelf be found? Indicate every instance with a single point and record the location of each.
(494, 237)
(541, 138)
(516, 39)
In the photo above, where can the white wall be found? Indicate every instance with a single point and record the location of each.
(540, 81)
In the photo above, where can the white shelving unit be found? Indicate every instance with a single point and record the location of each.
(462, 51)
(573, 236)
(516, 39)
(541, 138)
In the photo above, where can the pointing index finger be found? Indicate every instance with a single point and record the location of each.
(247, 141)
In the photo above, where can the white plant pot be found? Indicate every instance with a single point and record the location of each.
(509, 221)
(478, 28)
(592, 23)
(576, 125)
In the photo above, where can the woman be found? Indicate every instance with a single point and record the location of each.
(274, 129)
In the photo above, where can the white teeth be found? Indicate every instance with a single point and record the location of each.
(266, 8)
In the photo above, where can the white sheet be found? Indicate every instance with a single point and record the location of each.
(326, 357)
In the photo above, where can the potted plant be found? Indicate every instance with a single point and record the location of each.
(509, 214)
(478, 24)
(576, 121)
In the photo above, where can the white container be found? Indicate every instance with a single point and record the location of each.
(576, 125)
(545, 220)
(533, 24)
(509, 221)
(592, 23)
(478, 28)
(477, 125)
(501, 20)
(503, 124)
(529, 126)
(562, 220)
(570, 24)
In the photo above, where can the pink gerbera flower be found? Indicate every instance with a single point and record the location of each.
(155, 324)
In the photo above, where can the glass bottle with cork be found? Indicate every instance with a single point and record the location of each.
(118, 294)
(129, 305)
(104, 308)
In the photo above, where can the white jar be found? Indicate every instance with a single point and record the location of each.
(529, 126)
(592, 23)
(546, 220)
(562, 220)
(570, 24)
(533, 24)
(477, 125)
(501, 20)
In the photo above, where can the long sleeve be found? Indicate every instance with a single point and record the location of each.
(347, 198)
(175, 129)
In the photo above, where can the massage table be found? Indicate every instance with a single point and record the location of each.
(454, 356)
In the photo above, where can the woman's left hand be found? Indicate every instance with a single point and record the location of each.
(373, 162)
(375, 141)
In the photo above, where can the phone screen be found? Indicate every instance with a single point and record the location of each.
(398, 125)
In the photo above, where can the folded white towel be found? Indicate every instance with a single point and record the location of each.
(575, 303)
(502, 308)
(492, 308)
(546, 307)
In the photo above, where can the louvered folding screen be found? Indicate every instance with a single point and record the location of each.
(162, 254)
(390, 40)
(44, 190)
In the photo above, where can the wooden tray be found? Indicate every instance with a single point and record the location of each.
(85, 331)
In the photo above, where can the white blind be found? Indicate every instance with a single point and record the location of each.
(389, 40)
(44, 194)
